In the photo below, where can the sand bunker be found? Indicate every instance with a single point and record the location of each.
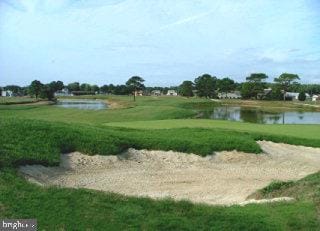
(224, 178)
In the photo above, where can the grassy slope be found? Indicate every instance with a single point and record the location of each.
(41, 142)
(16, 100)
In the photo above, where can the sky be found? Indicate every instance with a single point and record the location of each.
(163, 41)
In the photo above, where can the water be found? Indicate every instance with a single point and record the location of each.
(82, 104)
(253, 115)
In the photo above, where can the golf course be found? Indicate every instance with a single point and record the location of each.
(130, 139)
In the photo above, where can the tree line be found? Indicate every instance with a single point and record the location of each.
(254, 87)
(206, 85)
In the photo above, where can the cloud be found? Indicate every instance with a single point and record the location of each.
(186, 20)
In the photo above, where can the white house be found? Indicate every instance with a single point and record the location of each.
(229, 95)
(295, 95)
(63, 92)
(6, 93)
(315, 98)
(156, 92)
(172, 93)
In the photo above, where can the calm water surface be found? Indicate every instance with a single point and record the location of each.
(254, 115)
(82, 104)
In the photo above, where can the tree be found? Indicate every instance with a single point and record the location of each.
(56, 86)
(47, 91)
(205, 85)
(225, 85)
(121, 90)
(35, 88)
(104, 89)
(276, 93)
(246, 90)
(85, 87)
(73, 86)
(134, 84)
(185, 88)
(14, 88)
(285, 80)
(255, 84)
(95, 88)
(302, 96)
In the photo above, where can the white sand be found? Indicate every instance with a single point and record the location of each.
(224, 178)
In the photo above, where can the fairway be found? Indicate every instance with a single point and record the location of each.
(299, 131)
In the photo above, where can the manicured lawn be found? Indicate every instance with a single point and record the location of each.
(291, 130)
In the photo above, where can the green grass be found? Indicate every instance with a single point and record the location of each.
(290, 130)
(38, 134)
(146, 108)
(42, 142)
(70, 209)
(16, 100)
(307, 188)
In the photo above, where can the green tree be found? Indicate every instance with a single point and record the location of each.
(135, 84)
(276, 93)
(225, 85)
(302, 96)
(56, 86)
(186, 88)
(85, 87)
(14, 88)
(47, 91)
(256, 83)
(205, 85)
(104, 89)
(73, 86)
(35, 88)
(285, 80)
(95, 88)
(246, 90)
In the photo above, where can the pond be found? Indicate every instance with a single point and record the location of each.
(82, 104)
(255, 115)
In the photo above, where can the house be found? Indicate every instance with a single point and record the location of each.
(172, 93)
(156, 92)
(6, 93)
(138, 93)
(63, 92)
(229, 95)
(315, 98)
(295, 95)
(267, 91)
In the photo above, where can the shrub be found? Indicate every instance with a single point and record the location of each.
(302, 96)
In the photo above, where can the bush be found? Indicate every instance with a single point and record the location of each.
(302, 96)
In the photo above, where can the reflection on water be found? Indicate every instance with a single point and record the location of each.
(258, 116)
(82, 104)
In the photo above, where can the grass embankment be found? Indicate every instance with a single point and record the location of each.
(307, 188)
(17, 100)
(28, 141)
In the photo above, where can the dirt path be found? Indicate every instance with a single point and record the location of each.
(224, 178)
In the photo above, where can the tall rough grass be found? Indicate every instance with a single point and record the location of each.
(28, 141)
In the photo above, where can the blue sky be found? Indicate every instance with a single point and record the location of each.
(164, 41)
